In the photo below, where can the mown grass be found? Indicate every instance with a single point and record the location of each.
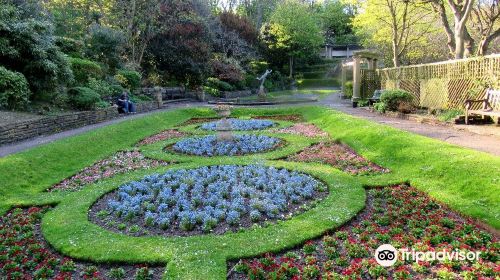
(290, 144)
(314, 75)
(29, 173)
(317, 83)
(468, 181)
(319, 92)
(287, 95)
(67, 228)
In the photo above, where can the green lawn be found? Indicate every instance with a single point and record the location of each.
(468, 181)
(314, 74)
(318, 83)
(290, 95)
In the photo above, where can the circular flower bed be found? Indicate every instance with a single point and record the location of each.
(211, 146)
(241, 124)
(207, 199)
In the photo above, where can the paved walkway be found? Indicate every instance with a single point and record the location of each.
(44, 139)
(457, 135)
(485, 143)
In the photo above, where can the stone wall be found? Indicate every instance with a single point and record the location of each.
(236, 94)
(225, 95)
(19, 131)
(179, 92)
(167, 93)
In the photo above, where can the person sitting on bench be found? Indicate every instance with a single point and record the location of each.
(124, 104)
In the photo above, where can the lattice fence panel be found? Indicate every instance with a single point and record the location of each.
(460, 90)
(445, 84)
(369, 83)
(434, 93)
(413, 87)
(389, 84)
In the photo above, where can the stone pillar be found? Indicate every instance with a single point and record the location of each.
(158, 97)
(356, 85)
(343, 79)
(371, 66)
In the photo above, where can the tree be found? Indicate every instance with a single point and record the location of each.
(27, 46)
(336, 19)
(292, 30)
(460, 43)
(485, 19)
(461, 12)
(398, 23)
(105, 45)
(234, 36)
(73, 18)
(241, 25)
(139, 20)
(258, 11)
(276, 44)
(183, 50)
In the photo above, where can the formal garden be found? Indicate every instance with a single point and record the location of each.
(298, 192)
(255, 172)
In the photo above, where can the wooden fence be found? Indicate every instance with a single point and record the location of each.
(443, 85)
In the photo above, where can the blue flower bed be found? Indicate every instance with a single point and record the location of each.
(208, 197)
(237, 124)
(209, 146)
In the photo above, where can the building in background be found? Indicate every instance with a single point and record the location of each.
(339, 51)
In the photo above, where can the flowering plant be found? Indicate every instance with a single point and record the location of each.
(240, 145)
(338, 155)
(415, 221)
(205, 197)
(237, 124)
(121, 162)
(24, 254)
(164, 135)
(305, 129)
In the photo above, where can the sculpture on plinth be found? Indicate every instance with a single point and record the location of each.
(262, 93)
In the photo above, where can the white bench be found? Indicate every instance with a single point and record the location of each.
(491, 106)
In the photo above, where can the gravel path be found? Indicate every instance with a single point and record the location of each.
(465, 138)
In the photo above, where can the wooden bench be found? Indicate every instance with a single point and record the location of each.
(491, 106)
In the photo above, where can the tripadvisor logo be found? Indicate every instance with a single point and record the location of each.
(386, 255)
